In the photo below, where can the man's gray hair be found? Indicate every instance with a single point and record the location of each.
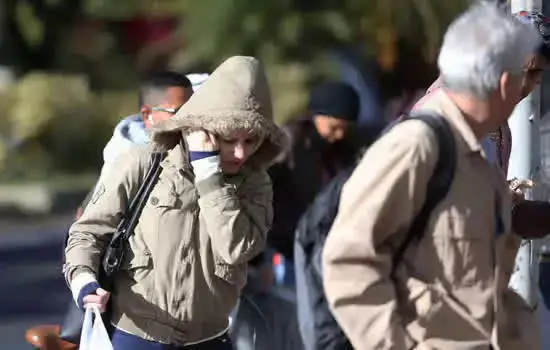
(480, 45)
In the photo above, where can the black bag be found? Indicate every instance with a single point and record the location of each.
(115, 252)
(319, 328)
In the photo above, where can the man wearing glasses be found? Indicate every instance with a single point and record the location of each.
(160, 96)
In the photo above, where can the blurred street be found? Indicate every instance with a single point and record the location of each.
(32, 288)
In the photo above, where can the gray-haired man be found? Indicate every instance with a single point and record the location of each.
(450, 289)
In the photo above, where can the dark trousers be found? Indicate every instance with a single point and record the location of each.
(124, 341)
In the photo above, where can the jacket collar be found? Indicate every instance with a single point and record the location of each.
(441, 103)
(177, 158)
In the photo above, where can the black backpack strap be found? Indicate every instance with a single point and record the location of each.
(117, 247)
(439, 183)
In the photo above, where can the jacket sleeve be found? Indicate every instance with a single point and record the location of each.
(377, 206)
(90, 234)
(237, 213)
(531, 219)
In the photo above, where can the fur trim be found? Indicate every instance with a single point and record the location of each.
(235, 97)
(226, 123)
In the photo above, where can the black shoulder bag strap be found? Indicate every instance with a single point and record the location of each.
(440, 182)
(71, 327)
(117, 248)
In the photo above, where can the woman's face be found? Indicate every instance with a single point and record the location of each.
(235, 150)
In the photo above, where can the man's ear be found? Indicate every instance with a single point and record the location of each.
(145, 111)
(188, 93)
(531, 62)
(504, 83)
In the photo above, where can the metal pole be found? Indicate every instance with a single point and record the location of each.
(525, 164)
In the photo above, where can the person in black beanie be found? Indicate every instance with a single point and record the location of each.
(332, 107)
(323, 142)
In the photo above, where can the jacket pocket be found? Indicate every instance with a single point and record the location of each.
(232, 274)
(439, 317)
(163, 198)
(463, 251)
(138, 265)
(136, 278)
(141, 260)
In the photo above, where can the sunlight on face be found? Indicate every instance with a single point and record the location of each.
(330, 128)
(172, 100)
(236, 149)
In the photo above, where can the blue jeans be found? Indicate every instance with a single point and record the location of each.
(290, 275)
(125, 341)
(544, 282)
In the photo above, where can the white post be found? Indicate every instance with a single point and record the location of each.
(525, 164)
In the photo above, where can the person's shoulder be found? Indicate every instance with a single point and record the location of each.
(135, 157)
(410, 133)
(297, 126)
(141, 151)
(126, 123)
(132, 128)
(128, 133)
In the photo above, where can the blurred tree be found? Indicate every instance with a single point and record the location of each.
(298, 34)
(32, 30)
(76, 62)
(300, 29)
(34, 33)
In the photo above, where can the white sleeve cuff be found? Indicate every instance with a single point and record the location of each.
(206, 167)
(80, 281)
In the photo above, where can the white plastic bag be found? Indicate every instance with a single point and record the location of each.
(94, 335)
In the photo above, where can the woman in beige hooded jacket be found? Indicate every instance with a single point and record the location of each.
(208, 214)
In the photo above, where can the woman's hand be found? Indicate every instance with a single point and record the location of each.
(202, 141)
(518, 188)
(99, 299)
(204, 154)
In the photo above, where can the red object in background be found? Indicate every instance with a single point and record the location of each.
(276, 259)
(142, 31)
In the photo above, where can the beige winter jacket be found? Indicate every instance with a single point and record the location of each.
(188, 254)
(451, 290)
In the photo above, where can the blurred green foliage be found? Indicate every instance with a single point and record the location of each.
(293, 36)
(76, 79)
(56, 124)
(109, 9)
(72, 84)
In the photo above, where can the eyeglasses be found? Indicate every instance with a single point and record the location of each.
(166, 110)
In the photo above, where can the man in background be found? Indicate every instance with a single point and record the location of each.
(161, 94)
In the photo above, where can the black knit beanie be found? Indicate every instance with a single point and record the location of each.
(335, 99)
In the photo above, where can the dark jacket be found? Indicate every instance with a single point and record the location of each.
(318, 327)
(310, 165)
(264, 319)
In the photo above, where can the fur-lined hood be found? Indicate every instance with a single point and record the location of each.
(236, 96)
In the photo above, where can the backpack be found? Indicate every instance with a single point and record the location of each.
(318, 327)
